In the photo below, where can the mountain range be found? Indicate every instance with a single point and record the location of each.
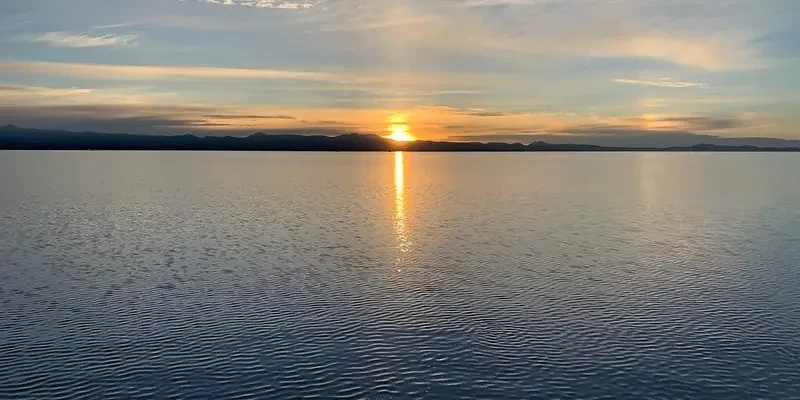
(16, 138)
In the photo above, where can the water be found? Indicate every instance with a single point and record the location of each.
(382, 275)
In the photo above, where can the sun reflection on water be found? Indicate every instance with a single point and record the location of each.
(400, 228)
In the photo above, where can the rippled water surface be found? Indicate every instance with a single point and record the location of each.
(382, 275)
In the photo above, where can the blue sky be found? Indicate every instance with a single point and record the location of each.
(460, 69)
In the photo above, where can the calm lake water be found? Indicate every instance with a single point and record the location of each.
(383, 275)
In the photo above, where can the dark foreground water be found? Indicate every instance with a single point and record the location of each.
(289, 275)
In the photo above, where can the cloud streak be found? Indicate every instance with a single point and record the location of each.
(663, 82)
(237, 116)
(693, 37)
(629, 137)
(38, 95)
(139, 118)
(79, 40)
(705, 123)
(427, 84)
(137, 72)
(280, 4)
(471, 112)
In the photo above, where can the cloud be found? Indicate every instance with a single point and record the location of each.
(646, 130)
(663, 82)
(479, 113)
(471, 112)
(490, 130)
(660, 123)
(353, 17)
(683, 32)
(331, 122)
(102, 118)
(115, 26)
(79, 40)
(107, 71)
(691, 33)
(282, 4)
(429, 83)
(676, 124)
(706, 123)
(665, 102)
(38, 95)
(237, 116)
(155, 118)
(21, 90)
(127, 118)
(699, 34)
(627, 137)
(324, 131)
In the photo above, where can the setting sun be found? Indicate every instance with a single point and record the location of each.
(400, 133)
(398, 129)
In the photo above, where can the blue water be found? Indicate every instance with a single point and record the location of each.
(335, 275)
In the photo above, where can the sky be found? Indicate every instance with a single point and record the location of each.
(591, 71)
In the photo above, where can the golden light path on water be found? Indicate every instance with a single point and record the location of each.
(400, 227)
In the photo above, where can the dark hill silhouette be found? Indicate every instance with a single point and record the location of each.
(12, 137)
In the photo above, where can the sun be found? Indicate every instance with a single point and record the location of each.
(400, 133)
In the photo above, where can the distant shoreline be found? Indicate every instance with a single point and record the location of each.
(14, 138)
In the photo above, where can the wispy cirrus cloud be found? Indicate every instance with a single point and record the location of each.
(79, 40)
(282, 4)
(687, 33)
(694, 102)
(136, 72)
(245, 116)
(21, 90)
(470, 112)
(46, 96)
(663, 82)
(116, 26)
(430, 82)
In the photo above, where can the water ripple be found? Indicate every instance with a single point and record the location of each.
(317, 276)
